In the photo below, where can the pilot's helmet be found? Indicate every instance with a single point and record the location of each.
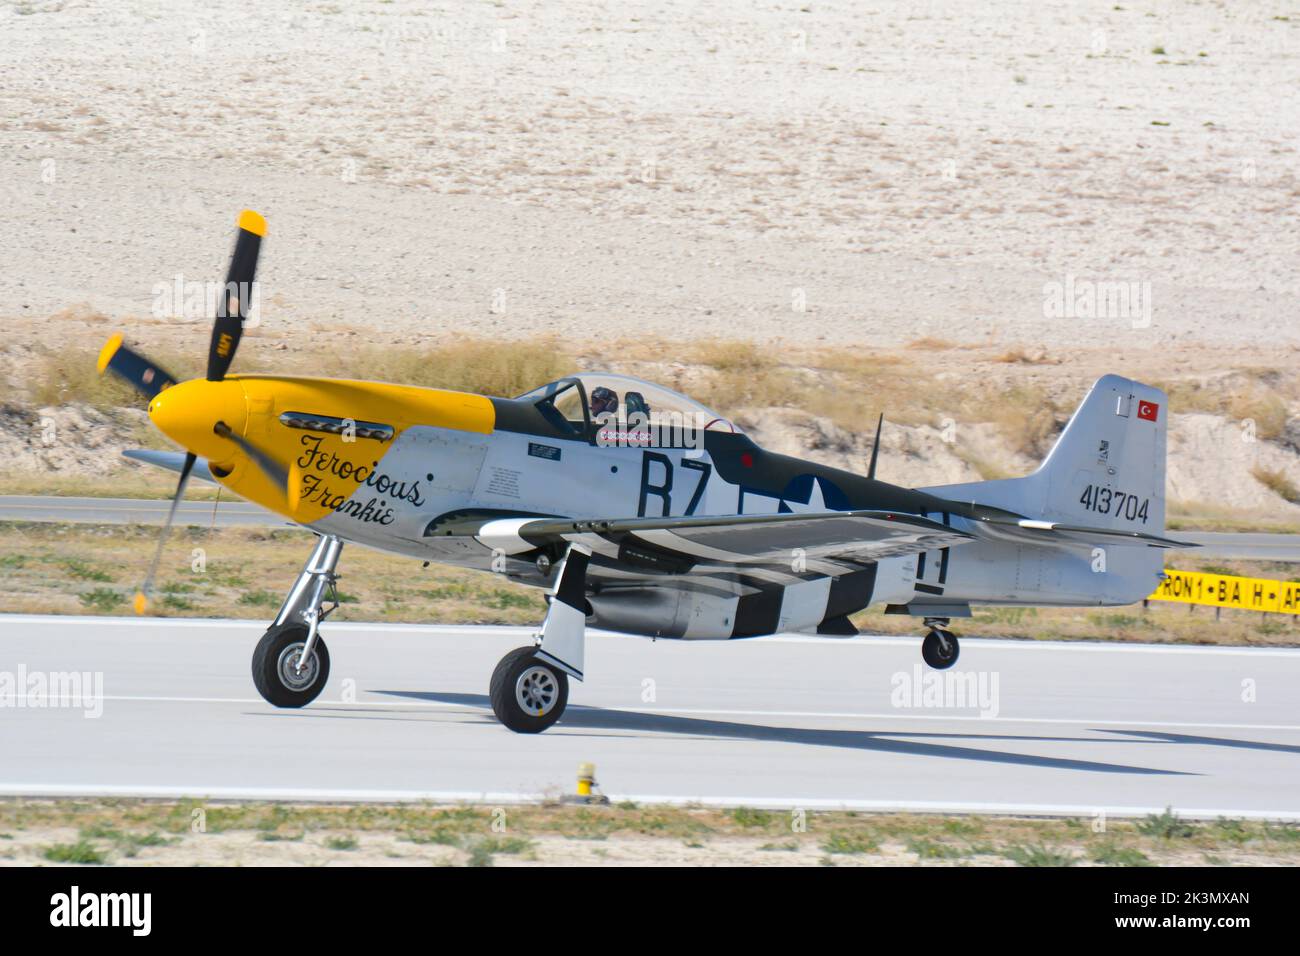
(604, 401)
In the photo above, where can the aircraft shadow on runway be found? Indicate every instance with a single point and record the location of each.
(1158, 736)
(578, 717)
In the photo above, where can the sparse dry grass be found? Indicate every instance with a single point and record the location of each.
(1161, 623)
(931, 344)
(847, 386)
(988, 470)
(1027, 418)
(1260, 395)
(485, 367)
(68, 375)
(1203, 516)
(81, 569)
(1278, 483)
(1019, 356)
(851, 387)
(145, 832)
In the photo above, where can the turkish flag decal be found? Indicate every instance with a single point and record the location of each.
(1148, 410)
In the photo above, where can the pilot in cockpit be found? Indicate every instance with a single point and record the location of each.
(604, 402)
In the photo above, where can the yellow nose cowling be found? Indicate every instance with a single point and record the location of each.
(186, 413)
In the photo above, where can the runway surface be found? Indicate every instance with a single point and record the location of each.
(775, 722)
(232, 512)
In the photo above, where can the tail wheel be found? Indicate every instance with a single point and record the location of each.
(280, 674)
(940, 649)
(527, 694)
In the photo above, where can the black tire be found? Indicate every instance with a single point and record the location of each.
(272, 655)
(933, 653)
(547, 684)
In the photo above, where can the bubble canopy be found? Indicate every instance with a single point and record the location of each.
(592, 397)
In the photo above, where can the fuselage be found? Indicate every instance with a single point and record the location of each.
(418, 472)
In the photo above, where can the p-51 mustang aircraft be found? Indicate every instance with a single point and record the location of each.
(641, 511)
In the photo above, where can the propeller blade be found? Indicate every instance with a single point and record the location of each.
(141, 602)
(270, 467)
(232, 308)
(138, 372)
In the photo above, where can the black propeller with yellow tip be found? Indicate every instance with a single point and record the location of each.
(150, 379)
(232, 306)
(143, 375)
(141, 603)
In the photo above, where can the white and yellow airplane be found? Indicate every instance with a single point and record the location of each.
(640, 510)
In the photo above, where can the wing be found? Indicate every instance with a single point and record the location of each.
(729, 575)
(675, 544)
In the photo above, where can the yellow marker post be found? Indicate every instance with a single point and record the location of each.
(586, 779)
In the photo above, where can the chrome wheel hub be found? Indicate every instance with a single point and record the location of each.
(287, 667)
(536, 691)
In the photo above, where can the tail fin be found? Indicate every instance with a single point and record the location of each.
(1106, 470)
(1108, 467)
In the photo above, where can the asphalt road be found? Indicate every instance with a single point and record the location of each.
(776, 722)
(227, 513)
(232, 512)
(1241, 546)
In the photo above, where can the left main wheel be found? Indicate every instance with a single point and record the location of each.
(527, 694)
(275, 666)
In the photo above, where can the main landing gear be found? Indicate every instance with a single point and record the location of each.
(291, 663)
(530, 686)
(940, 647)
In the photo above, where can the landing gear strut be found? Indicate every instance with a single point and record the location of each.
(530, 686)
(291, 663)
(940, 647)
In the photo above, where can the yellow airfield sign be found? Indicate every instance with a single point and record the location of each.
(1226, 590)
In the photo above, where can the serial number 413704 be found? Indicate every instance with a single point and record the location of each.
(1121, 504)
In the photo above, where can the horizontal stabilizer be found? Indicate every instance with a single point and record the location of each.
(1033, 531)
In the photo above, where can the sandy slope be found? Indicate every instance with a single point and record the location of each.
(914, 168)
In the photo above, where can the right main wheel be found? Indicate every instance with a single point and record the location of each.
(527, 694)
